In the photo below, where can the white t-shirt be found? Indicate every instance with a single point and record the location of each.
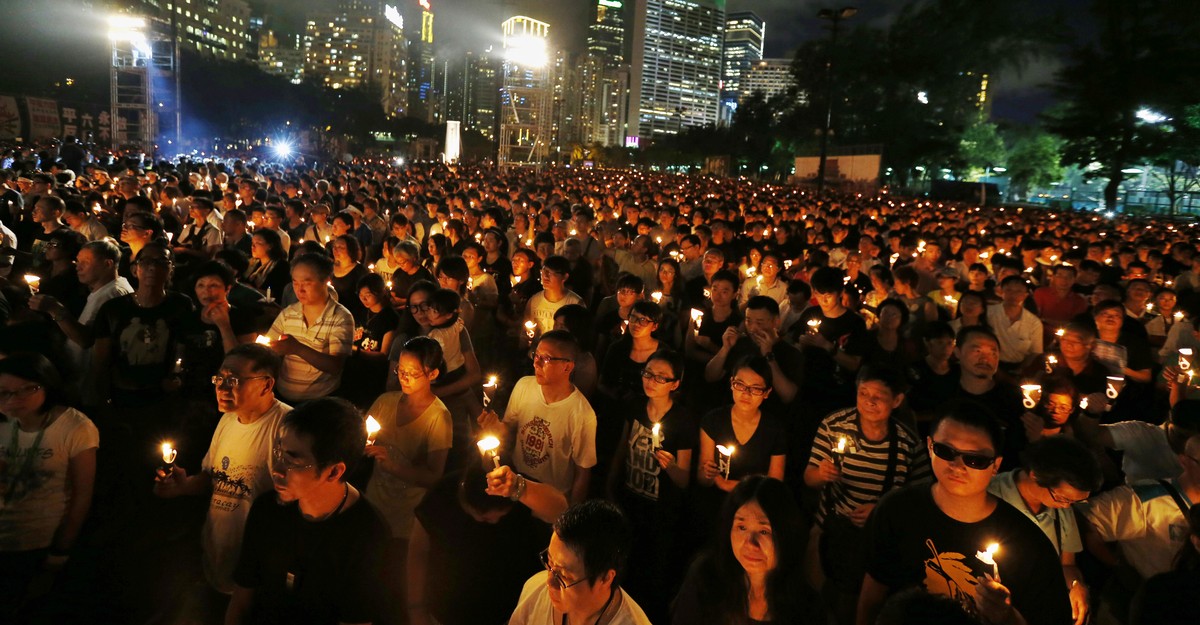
(1017, 340)
(1148, 455)
(541, 310)
(534, 607)
(1144, 520)
(551, 439)
(411, 443)
(96, 298)
(237, 460)
(34, 493)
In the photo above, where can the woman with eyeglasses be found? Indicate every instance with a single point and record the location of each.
(410, 452)
(757, 439)
(137, 230)
(268, 264)
(47, 475)
(621, 373)
(753, 569)
(649, 479)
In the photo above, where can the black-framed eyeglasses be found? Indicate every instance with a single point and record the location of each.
(1059, 499)
(742, 387)
(542, 359)
(232, 381)
(556, 578)
(658, 379)
(280, 462)
(21, 393)
(421, 307)
(979, 462)
(640, 320)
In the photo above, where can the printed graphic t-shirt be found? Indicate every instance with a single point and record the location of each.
(551, 439)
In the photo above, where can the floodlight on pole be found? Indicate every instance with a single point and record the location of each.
(1151, 116)
(127, 28)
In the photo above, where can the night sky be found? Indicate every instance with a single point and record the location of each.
(465, 23)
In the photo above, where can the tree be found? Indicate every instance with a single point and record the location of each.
(981, 148)
(1034, 161)
(1141, 61)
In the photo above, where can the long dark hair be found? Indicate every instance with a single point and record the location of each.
(723, 581)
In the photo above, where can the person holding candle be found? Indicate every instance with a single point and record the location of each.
(771, 284)
(585, 565)
(410, 452)
(406, 256)
(347, 271)
(459, 385)
(550, 422)
(315, 335)
(833, 352)
(1056, 473)
(1123, 348)
(858, 456)
(648, 479)
(235, 470)
(312, 551)
(753, 569)
(925, 535)
(268, 264)
(554, 294)
(47, 477)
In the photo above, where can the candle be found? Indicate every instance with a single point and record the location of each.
(707, 293)
(530, 328)
(839, 452)
(697, 318)
(178, 365)
(656, 437)
(168, 455)
(787, 264)
(1149, 306)
(478, 237)
(489, 386)
(1185, 358)
(1051, 361)
(170, 237)
(1083, 402)
(1178, 316)
(988, 556)
(657, 297)
(575, 232)
(262, 340)
(250, 224)
(1032, 394)
(373, 428)
(1060, 332)
(33, 281)
(1114, 386)
(490, 445)
(814, 326)
(371, 267)
(268, 292)
(327, 238)
(725, 459)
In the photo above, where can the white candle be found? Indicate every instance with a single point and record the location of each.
(262, 340)
(268, 292)
(168, 455)
(656, 437)
(814, 326)
(697, 317)
(490, 445)
(530, 328)
(373, 428)
(988, 556)
(178, 365)
(33, 281)
(1032, 394)
(1185, 358)
(725, 459)
(1051, 361)
(1113, 387)
(489, 386)
(657, 297)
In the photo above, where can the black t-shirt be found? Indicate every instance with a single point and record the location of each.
(643, 475)
(203, 349)
(347, 289)
(370, 327)
(911, 542)
(1005, 402)
(621, 375)
(145, 341)
(492, 560)
(821, 372)
(322, 572)
(929, 389)
(402, 281)
(754, 456)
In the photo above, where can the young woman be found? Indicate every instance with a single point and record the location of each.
(758, 438)
(649, 478)
(460, 386)
(670, 285)
(752, 573)
(320, 229)
(972, 311)
(47, 475)
(885, 342)
(410, 452)
(452, 274)
(437, 248)
(347, 271)
(268, 264)
(621, 375)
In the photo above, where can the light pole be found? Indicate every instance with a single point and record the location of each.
(835, 16)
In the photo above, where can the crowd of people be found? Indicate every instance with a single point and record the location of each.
(361, 393)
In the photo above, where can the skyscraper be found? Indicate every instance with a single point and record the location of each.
(217, 27)
(421, 84)
(676, 66)
(359, 43)
(744, 36)
(603, 77)
(770, 76)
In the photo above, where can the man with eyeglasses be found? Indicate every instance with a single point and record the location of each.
(584, 565)
(1147, 519)
(549, 422)
(928, 536)
(1057, 473)
(235, 470)
(313, 549)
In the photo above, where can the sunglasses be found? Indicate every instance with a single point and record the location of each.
(979, 462)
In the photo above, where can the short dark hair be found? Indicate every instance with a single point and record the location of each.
(454, 267)
(974, 415)
(724, 275)
(597, 532)
(1061, 459)
(762, 302)
(38, 369)
(428, 351)
(1185, 414)
(937, 330)
(1015, 279)
(215, 268)
(262, 359)
(104, 250)
(650, 310)
(827, 280)
(445, 301)
(967, 332)
(558, 264)
(336, 429)
(319, 263)
(757, 364)
(564, 340)
(885, 374)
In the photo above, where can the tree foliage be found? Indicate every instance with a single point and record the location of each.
(1034, 161)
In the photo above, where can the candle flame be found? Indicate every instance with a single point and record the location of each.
(373, 428)
(656, 296)
(841, 446)
(262, 340)
(697, 315)
(492, 381)
(726, 451)
(1060, 332)
(488, 444)
(32, 279)
(656, 429)
(988, 556)
(168, 452)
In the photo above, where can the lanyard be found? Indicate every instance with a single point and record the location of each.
(27, 465)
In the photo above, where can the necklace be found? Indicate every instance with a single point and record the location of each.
(345, 496)
(26, 471)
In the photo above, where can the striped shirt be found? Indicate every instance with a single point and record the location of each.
(333, 333)
(865, 462)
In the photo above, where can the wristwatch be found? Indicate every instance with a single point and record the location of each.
(519, 490)
(770, 356)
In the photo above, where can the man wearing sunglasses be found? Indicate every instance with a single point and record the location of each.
(928, 536)
(584, 565)
(235, 471)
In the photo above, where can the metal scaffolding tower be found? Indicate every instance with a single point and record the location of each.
(526, 95)
(141, 75)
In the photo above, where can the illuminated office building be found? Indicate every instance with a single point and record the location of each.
(744, 35)
(359, 43)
